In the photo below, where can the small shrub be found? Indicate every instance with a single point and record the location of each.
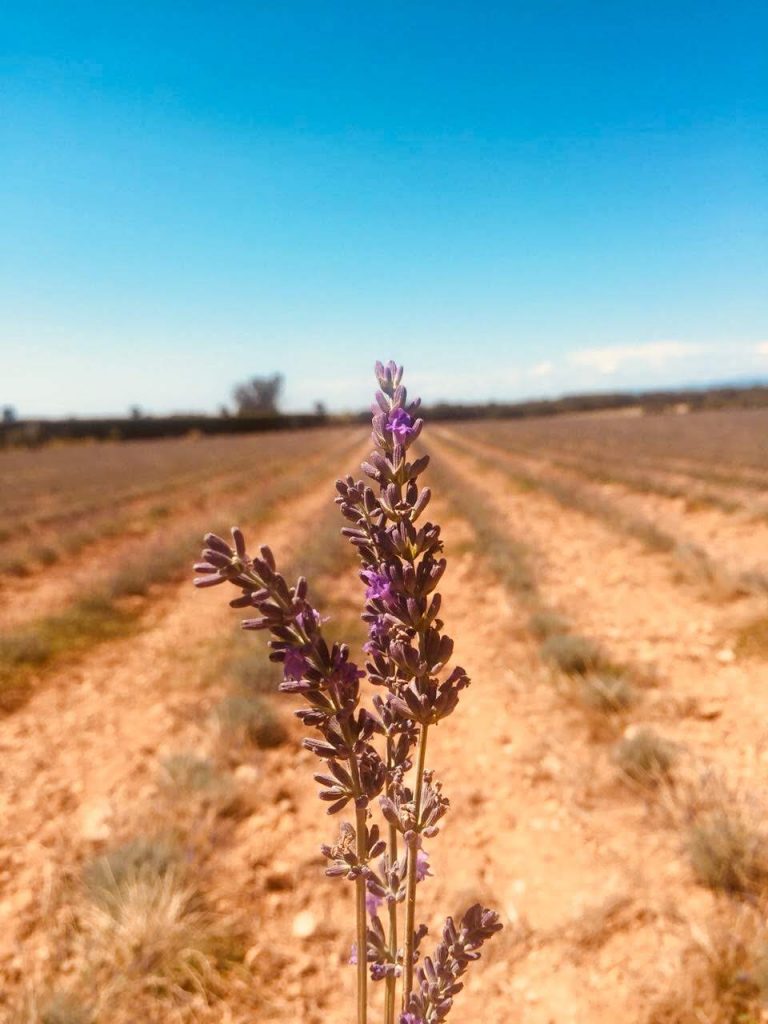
(727, 853)
(573, 655)
(645, 757)
(138, 860)
(546, 623)
(250, 719)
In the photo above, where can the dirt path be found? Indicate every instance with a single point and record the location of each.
(84, 750)
(737, 542)
(636, 605)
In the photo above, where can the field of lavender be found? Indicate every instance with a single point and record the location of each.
(605, 590)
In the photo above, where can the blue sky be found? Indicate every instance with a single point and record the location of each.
(513, 199)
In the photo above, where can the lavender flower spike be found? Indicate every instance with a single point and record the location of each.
(374, 756)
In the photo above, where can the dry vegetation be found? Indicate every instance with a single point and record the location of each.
(607, 583)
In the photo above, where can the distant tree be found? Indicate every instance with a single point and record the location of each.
(224, 412)
(9, 414)
(136, 412)
(320, 409)
(258, 396)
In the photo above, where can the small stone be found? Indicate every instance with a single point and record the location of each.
(304, 924)
(246, 774)
(278, 879)
(709, 711)
(94, 821)
(726, 656)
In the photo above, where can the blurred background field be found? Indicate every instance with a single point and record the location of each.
(608, 584)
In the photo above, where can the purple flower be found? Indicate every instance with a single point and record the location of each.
(400, 424)
(294, 664)
(347, 674)
(353, 955)
(422, 866)
(411, 1018)
(379, 588)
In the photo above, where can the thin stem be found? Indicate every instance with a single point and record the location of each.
(391, 980)
(410, 897)
(362, 921)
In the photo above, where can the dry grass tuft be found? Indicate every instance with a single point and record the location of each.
(243, 719)
(728, 852)
(546, 623)
(723, 978)
(156, 935)
(646, 758)
(573, 655)
(145, 931)
(752, 639)
(132, 863)
(607, 693)
(64, 1008)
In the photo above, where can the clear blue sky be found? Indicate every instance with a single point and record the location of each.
(512, 198)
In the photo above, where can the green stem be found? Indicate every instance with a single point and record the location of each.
(391, 982)
(410, 897)
(362, 920)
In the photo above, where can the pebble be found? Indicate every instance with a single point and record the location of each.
(304, 924)
(94, 821)
(246, 774)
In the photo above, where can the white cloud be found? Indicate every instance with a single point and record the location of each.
(762, 348)
(544, 369)
(656, 354)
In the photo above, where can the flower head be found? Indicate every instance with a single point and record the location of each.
(379, 587)
(422, 866)
(294, 664)
(400, 423)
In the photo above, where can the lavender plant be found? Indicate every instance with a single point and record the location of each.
(375, 756)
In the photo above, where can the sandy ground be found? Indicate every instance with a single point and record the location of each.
(591, 879)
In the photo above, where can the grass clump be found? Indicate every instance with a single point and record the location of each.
(158, 937)
(157, 564)
(64, 1008)
(190, 773)
(251, 674)
(728, 853)
(187, 779)
(646, 758)
(146, 932)
(546, 623)
(137, 861)
(607, 693)
(723, 978)
(243, 718)
(573, 655)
